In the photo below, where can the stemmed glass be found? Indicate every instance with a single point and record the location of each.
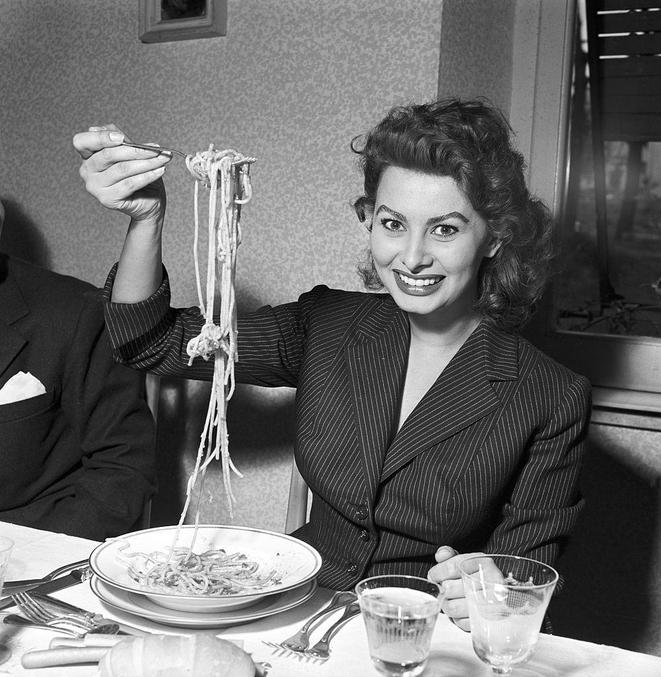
(507, 599)
(6, 545)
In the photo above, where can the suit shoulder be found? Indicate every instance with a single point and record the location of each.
(324, 299)
(543, 363)
(53, 293)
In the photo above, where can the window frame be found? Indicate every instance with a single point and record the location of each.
(625, 371)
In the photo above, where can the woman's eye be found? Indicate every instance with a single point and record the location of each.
(445, 230)
(392, 224)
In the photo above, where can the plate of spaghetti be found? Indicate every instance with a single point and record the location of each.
(205, 568)
(145, 609)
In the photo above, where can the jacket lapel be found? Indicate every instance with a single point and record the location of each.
(461, 395)
(12, 308)
(376, 361)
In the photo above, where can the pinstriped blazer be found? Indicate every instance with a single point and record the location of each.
(488, 460)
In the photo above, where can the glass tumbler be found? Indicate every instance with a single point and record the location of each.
(400, 613)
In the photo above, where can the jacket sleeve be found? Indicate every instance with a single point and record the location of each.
(104, 404)
(152, 336)
(545, 502)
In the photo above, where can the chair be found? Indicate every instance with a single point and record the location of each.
(299, 501)
(152, 395)
(624, 63)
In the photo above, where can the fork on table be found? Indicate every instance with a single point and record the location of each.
(320, 652)
(38, 613)
(297, 645)
(300, 640)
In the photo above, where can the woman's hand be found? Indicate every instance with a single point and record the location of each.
(121, 177)
(446, 574)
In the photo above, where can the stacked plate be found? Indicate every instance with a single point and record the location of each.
(294, 562)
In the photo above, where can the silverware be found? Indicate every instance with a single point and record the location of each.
(32, 582)
(167, 149)
(158, 149)
(73, 577)
(61, 625)
(95, 618)
(300, 640)
(54, 605)
(48, 610)
(321, 650)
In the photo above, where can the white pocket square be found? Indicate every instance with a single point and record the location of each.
(21, 386)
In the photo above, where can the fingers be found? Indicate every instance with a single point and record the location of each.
(447, 574)
(96, 138)
(115, 193)
(444, 553)
(454, 604)
(113, 173)
(448, 567)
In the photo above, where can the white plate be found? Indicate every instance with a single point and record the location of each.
(139, 605)
(294, 561)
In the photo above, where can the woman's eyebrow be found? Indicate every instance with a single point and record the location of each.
(433, 219)
(444, 217)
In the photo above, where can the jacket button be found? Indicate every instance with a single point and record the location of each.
(362, 513)
(364, 535)
(352, 568)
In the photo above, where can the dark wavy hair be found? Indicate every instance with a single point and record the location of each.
(471, 142)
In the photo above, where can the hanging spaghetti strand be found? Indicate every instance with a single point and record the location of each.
(226, 174)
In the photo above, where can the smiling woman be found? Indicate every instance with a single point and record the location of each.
(427, 428)
(430, 245)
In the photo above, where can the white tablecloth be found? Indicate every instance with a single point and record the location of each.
(37, 552)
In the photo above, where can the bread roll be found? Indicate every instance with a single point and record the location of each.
(176, 656)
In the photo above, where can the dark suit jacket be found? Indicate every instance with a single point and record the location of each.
(488, 460)
(79, 458)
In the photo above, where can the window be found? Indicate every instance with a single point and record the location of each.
(602, 318)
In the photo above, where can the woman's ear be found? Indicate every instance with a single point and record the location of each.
(364, 211)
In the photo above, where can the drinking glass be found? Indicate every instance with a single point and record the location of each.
(400, 613)
(6, 545)
(507, 599)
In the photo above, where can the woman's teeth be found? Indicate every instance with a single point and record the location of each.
(422, 282)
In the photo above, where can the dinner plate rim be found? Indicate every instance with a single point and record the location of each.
(120, 599)
(111, 542)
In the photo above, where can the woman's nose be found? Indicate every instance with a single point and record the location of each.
(415, 255)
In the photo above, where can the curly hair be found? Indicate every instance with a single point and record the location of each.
(471, 142)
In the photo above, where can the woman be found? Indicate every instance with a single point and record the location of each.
(426, 428)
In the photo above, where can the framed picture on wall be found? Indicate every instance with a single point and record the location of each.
(168, 20)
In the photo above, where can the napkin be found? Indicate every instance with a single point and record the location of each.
(21, 386)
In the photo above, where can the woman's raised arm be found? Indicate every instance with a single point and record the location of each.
(128, 180)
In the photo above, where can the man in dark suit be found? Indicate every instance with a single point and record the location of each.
(76, 435)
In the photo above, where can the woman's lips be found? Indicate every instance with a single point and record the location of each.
(418, 286)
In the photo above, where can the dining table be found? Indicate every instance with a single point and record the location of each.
(37, 552)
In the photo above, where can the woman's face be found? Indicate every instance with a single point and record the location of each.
(428, 242)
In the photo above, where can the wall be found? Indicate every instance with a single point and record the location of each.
(291, 83)
(477, 40)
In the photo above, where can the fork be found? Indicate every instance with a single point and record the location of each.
(38, 613)
(320, 652)
(167, 149)
(158, 149)
(300, 640)
(66, 628)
